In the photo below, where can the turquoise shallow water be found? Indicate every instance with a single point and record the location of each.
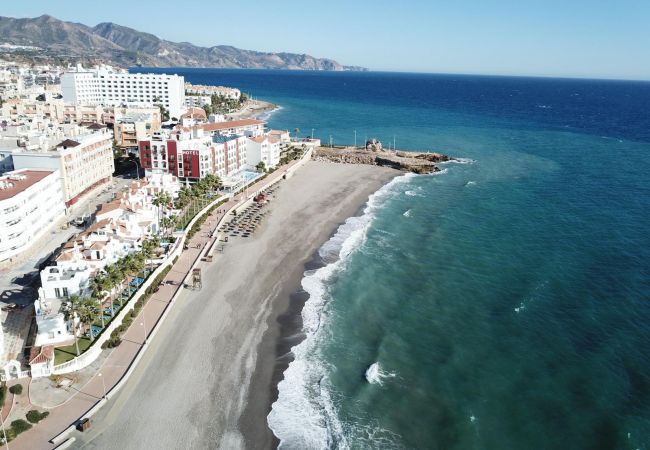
(501, 304)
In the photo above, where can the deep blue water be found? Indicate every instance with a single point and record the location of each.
(506, 301)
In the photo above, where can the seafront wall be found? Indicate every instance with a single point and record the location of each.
(62, 440)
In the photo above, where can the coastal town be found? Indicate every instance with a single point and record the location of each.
(110, 181)
(117, 191)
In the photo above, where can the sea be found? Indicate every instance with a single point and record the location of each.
(502, 303)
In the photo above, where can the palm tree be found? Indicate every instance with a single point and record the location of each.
(167, 223)
(116, 276)
(212, 182)
(98, 285)
(161, 200)
(87, 314)
(75, 302)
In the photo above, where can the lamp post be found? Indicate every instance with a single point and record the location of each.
(355, 139)
(144, 327)
(103, 384)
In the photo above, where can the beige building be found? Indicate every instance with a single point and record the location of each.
(131, 125)
(84, 159)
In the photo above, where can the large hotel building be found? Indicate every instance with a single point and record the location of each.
(104, 85)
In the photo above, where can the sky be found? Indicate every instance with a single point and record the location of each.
(573, 38)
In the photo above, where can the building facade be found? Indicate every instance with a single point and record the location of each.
(104, 85)
(84, 161)
(31, 201)
(193, 154)
(264, 149)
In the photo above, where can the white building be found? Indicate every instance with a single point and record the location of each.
(221, 91)
(84, 160)
(265, 149)
(104, 85)
(31, 201)
(282, 135)
(197, 101)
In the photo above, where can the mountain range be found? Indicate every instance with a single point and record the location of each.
(48, 39)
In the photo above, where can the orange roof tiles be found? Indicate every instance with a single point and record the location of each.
(16, 186)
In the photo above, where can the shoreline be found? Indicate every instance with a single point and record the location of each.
(254, 110)
(217, 360)
(284, 331)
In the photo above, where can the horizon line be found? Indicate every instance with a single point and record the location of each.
(460, 74)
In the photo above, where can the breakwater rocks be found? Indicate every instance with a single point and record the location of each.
(416, 162)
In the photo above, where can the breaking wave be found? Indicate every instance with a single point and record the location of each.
(305, 414)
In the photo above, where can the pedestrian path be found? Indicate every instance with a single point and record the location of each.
(121, 358)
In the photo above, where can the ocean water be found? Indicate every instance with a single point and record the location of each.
(503, 303)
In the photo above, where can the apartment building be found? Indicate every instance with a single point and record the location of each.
(221, 91)
(104, 85)
(264, 149)
(247, 127)
(31, 201)
(192, 153)
(84, 160)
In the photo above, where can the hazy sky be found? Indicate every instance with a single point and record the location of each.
(585, 38)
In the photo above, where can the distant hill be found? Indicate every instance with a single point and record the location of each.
(68, 42)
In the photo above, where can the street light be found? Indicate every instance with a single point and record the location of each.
(103, 384)
(355, 139)
(144, 327)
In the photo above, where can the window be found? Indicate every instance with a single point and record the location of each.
(57, 292)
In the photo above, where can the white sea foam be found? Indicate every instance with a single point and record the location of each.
(304, 415)
(375, 374)
(265, 116)
(459, 161)
(470, 183)
(411, 193)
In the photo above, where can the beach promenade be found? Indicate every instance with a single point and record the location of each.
(207, 379)
(135, 340)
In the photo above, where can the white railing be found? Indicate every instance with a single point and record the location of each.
(92, 353)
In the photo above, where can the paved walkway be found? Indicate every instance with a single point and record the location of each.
(120, 359)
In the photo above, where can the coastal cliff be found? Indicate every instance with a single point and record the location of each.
(416, 162)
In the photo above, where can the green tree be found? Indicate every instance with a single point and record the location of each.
(72, 313)
(261, 166)
(87, 312)
(161, 200)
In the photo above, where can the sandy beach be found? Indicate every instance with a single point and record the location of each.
(208, 379)
(253, 109)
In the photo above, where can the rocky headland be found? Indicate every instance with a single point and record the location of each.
(416, 162)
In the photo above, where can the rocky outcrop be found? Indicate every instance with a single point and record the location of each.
(416, 162)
